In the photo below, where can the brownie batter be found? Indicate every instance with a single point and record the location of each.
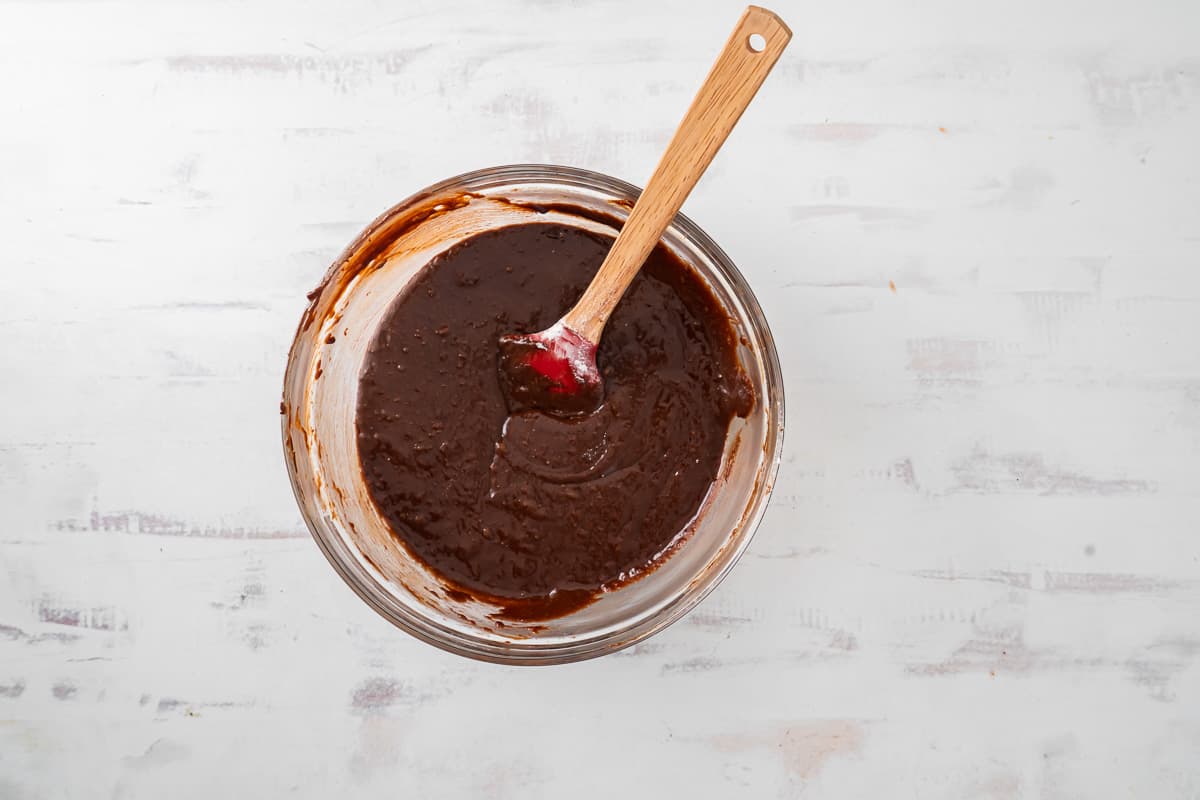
(536, 513)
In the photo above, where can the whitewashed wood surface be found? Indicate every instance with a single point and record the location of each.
(975, 229)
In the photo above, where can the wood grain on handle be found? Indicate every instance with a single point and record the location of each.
(735, 78)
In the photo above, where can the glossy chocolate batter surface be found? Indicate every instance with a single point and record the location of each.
(535, 512)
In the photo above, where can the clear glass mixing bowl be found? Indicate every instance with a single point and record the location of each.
(320, 396)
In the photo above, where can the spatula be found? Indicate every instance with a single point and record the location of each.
(555, 370)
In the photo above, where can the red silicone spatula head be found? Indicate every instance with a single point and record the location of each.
(553, 371)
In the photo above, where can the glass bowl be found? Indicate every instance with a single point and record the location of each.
(320, 397)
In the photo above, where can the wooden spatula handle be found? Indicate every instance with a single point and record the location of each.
(730, 86)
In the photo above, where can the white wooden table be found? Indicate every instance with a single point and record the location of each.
(975, 232)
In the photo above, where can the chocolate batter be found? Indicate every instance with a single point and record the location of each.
(536, 513)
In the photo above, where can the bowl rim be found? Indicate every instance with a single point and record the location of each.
(531, 652)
